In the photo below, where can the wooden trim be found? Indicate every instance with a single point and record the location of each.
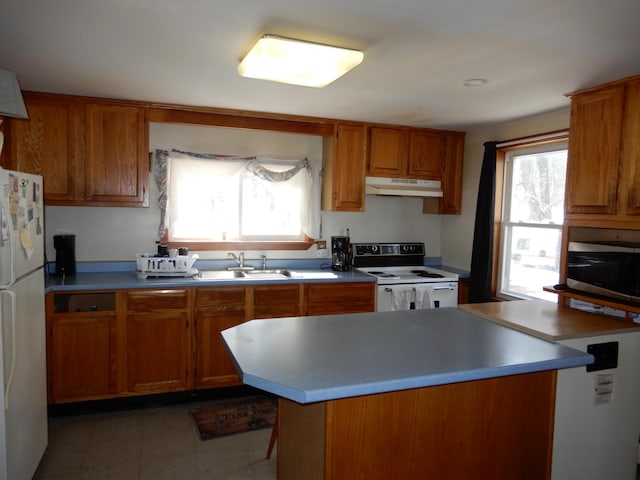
(614, 83)
(533, 140)
(497, 221)
(226, 120)
(231, 118)
(216, 246)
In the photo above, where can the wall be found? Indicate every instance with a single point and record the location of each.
(457, 230)
(112, 234)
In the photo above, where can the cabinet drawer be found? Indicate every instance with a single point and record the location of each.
(220, 296)
(340, 292)
(276, 295)
(146, 300)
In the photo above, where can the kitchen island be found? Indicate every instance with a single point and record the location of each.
(415, 394)
(596, 430)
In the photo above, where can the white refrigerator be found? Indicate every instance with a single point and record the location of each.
(23, 403)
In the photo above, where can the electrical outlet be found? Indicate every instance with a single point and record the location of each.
(322, 244)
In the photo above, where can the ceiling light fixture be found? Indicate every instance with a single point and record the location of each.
(475, 82)
(298, 62)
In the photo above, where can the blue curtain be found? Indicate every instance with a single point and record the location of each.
(482, 253)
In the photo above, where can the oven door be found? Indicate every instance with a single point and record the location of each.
(416, 296)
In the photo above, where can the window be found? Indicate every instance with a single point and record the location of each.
(240, 201)
(531, 221)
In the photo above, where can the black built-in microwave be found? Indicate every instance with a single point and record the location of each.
(610, 269)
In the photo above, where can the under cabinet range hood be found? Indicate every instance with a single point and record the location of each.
(403, 187)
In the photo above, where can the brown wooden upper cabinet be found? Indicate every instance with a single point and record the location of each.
(406, 153)
(422, 154)
(117, 163)
(88, 153)
(344, 164)
(94, 152)
(50, 143)
(426, 151)
(388, 152)
(453, 156)
(603, 170)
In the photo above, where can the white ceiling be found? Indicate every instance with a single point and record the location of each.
(417, 53)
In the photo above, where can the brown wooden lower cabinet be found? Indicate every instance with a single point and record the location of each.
(82, 356)
(463, 290)
(81, 346)
(104, 344)
(158, 341)
(273, 301)
(216, 309)
(494, 428)
(335, 298)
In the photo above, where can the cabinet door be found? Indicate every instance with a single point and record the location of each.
(630, 168)
(345, 169)
(387, 152)
(334, 298)
(217, 308)
(51, 144)
(158, 340)
(451, 200)
(272, 301)
(117, 163)
(158, 352)
(594, 151)
(81, 356)
(425, 155)
(452, 174)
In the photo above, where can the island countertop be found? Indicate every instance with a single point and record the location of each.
(310, 359)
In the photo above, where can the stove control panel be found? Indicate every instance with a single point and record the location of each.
(387, 249)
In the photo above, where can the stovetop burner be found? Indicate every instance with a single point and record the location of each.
(383, 274)
(425, 274)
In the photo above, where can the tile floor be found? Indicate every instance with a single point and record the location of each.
(158, 443)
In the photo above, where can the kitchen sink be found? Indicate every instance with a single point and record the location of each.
(219, 275)
(243, 274)
(267, 274)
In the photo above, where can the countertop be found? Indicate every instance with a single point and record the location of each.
(549, 321)
(310, 359)
(128, 280)
(121, 275)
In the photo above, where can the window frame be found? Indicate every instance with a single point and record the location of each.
(303, 243)
(555, 140)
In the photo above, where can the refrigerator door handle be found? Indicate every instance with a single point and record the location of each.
(12, 247)
(14, 341)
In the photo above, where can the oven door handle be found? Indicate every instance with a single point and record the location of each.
(445, 287)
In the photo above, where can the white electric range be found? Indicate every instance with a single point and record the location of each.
(403, 282)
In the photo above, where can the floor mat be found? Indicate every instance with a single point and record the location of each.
(237, 415)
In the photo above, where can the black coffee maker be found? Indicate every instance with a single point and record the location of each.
(65, 246)
(341, 254)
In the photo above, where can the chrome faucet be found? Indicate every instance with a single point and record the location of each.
(239, 259)
(264, 261)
